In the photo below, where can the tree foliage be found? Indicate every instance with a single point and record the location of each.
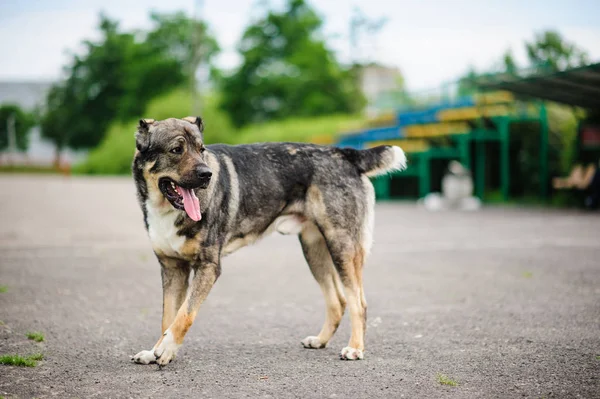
(116, 77)
(550, 51)
(287, 70)
(184, 39)
(23, 122)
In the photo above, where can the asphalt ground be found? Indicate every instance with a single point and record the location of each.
(504, 302)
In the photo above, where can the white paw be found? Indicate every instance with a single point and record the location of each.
(312, 342)
(145, 357)
(166, 351)
(349, 353)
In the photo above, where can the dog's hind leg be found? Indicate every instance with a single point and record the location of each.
(320, 263)
(348, 257)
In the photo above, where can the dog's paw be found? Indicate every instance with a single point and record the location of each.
(312, 342)
(166, 351)
(145, 357)
(349, 353)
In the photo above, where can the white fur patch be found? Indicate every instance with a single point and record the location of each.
(166, 351)
(399, 159)
(288, 224)
(162, 229)
(369, 221)
(145, 357)
(395, 160)
(312, 343)
(349, 353)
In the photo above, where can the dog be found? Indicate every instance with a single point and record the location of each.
(202, 202)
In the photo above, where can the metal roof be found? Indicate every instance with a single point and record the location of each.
(578, 86)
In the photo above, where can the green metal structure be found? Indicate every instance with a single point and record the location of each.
(577, 87)
(420, 162)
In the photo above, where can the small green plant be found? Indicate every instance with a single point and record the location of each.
(445, 380)
(597, 357)
(37, 356)
(527, 274)
(3, 289)
(20, 361)
(35, 336)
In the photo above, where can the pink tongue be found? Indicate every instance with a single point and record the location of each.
(190, 203)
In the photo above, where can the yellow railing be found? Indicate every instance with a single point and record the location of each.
(406, 145)
(497, 97)
(470, 113)
(437, 129)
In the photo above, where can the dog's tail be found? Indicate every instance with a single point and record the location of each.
(377, 160)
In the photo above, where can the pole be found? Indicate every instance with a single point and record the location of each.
(424, 174)
(480, 173)
(355, 23)
(195, 40)
(543, 151)
(505, 156)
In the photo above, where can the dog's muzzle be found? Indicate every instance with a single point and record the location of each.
(203, 175)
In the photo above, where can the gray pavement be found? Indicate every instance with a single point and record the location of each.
(504, 301)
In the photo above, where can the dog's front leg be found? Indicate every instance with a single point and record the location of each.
(206, 273)
(175, 274)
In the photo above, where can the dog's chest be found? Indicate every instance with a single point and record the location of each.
(163, 232)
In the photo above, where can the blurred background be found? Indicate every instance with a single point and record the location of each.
(506, 90)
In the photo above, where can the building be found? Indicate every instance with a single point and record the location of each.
(378, 84)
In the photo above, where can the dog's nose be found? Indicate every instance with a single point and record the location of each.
(203, 173)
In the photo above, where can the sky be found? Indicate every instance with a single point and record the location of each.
(430, 41)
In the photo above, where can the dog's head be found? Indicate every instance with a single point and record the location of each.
(172, 152)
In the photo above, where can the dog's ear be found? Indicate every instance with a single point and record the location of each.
(142, 136)
(196, 120)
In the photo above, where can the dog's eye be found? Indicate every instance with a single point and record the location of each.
(202, 149)
(177, 150)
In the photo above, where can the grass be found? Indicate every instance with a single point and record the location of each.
(527, 274)
(445, 380)
(320, 130)
(20, 361)
(35, 336)
(597, 357)
(27, 169)
(37, 357)
(3, 289)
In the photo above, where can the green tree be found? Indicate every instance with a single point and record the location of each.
(510, 65)
(287, 70)
(115, 78)
(184, 39)
(55, 122)
(467, 85)
(550, 51)
(23, 122)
